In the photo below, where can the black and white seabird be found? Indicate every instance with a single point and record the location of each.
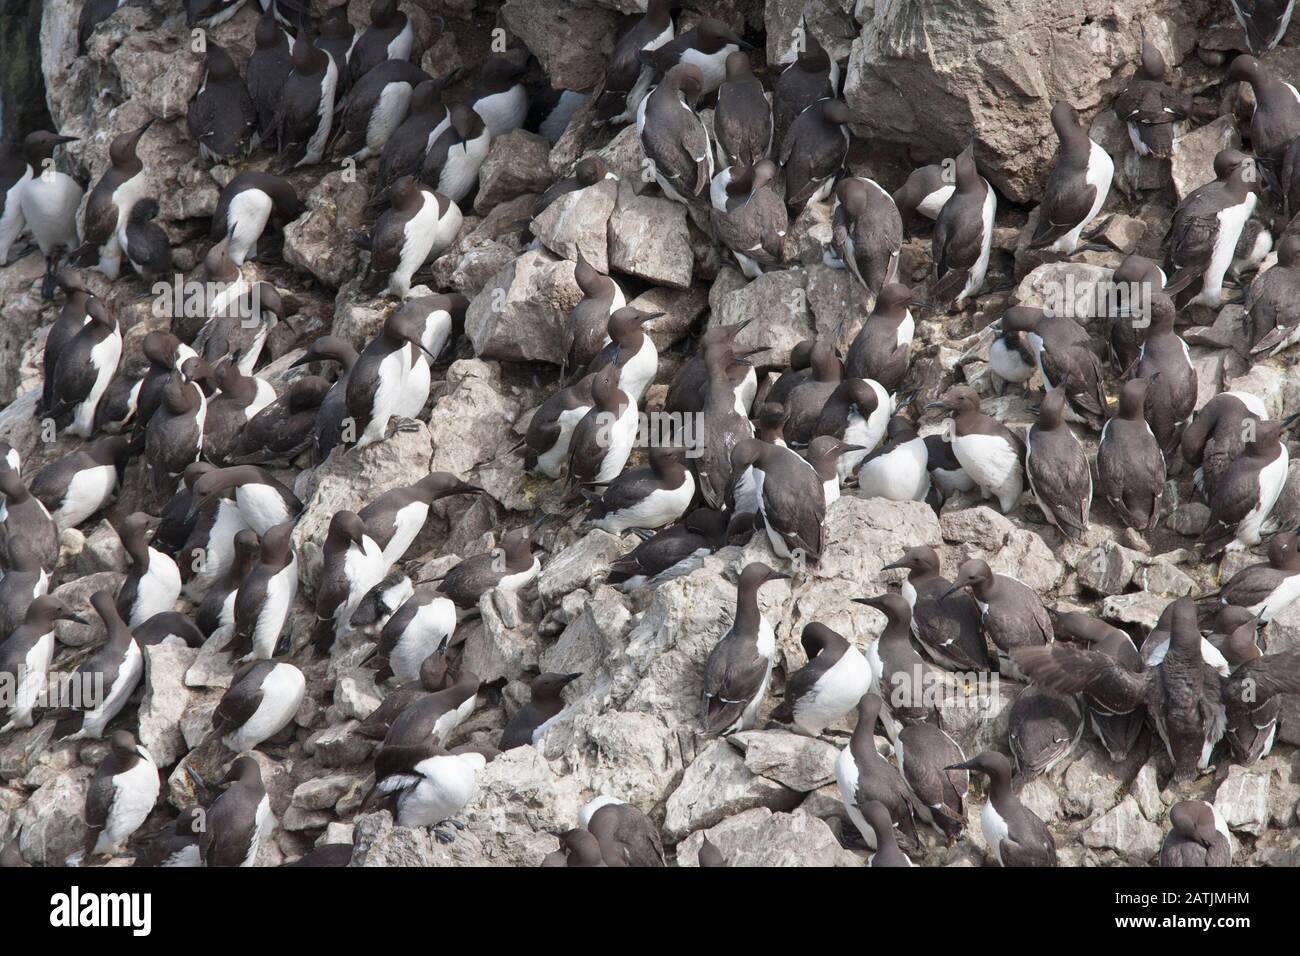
(1011, 360)
(390, 36)
(1077, 186)
(1042, 729)
(687, 391)
(824, 453)
(1150, 107)
(508, 567)
(418, 226)
(331, 417)
(811, 76)
(1130, 464)
(425, 786)
(167, 356)
(1063, 354)
(23, 517)
(857, 411)
(283, 429)
(897, 468)
(627, 77)
(84, 369)
(631, 349)
(602, 441)
(1206, 227)
(900, 675)
(24, 580)
(239, 820)
(963, 234)
(48, 200)
(1244, 495)
(452, 162)
(1011, 612)
(174, 434)
(1198, 834)
(500, 96)
(93, 13)
(351, 564)
(1138, 277)
(805, 401)
(530, 723)
(430, 717)
(946, 623)
(742, 119)
(121, 795)
(644, 498)
(382, 602)
(378, 378)
(706, 46)
(396, 517)
(76, 486)
(1266, 589)
(1166, 364)
(790, 498)
(432, 676)
(739, 667)
(304, 116)
(417, 631)
(1271, 302)
(813, 152)
(375, 106)
(405, 150)
(923, 195)
(828, 686)
(1057, 468)
(1015, 835)
(222, 116)
(987, 450)
(867, 233)
(674, 140)
(881, 349)
(1275, 121)
(13, 174)
(262, 699)
(217, 609)
(748, 216)
(122, 185)
(863, 775)
(1117, 729)
(248, 203)
(116, 667)
(269, 65)
(177, 845)
(588, 328)
(72, 317)
(671, 552)
(153, 582)
(25, 656)
(1218, 434)
(239, 398)
(264, 602)
(1252, 698)
(924, 753)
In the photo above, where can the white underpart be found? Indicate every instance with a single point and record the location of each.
(975, 281)
(460, 171)
(620, 436)
(264, 821)
(407, 524)
(551, 462)
(513, 582)
(660, 508)
(124, 198)
(640, 369)
(431, 624)
(993, 464)
(446, 784)
(87, 492)
(1282, 596)
(588, 809)
(325, 115)
(129, 673)
(261, 506)
(1231, 221)
(994, 828)
(30, 682)
(364, 567)
(49, 203)
(933, 204)
(1272, 480)
(1100, 171)
(218, 551)
(713, 66)
(846, 777)
(104, 356)
(246, 218)
(135, 793)
(157, 589)
(12, 221)
(866, 432)
(835, 693)
(273, 616)
(503, 112)
(901, 475)
(557, 120)
(282, 693)
(385, 116)
(645, 78)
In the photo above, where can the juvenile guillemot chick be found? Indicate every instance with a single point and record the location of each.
(117, 667)
(945, 622)
(451, 164)
(1011, 359)
(530, 722)
(923, 195)
(1206, 227)
(790, 498)
(602, 441)
(887, 852)
(1118, 731)
(304, 116)
(673, 138)
(1130, 464)
(1181, 694)
(48, 200)
(264, 601)
(811, 75)
(963, 235)
(82, 482)
(813, 153)
(587, 330)
(262, 699)
(222, 116)
(416, 632)
(627, 837)
(239, 338)
(627, 77)
(169, 627)
(867, 233)
(739, 667)
(153, 582)
(1271, 302)
(351, 564)
(239, 820)
(1199, 835)
(25, 657)
(247, 205)
(899, 674)
(1264, 589)
(509, 567)
(1062, 351)
(1043, 729)
(85, 367)
(1171, 377)
(828, 686)
(863, 775)
(1077, 186)
(425, 786)
(121, 795)
(742, 119)
(670, 552)
(924, 753)
(824, 453)
(1011, 613)
(1244, 495)
(897, 468)
(881, 349)
(1015, 835)
(749, 217)
(1217, 436)
(706, 46)
(987, 450)
(122, 185)
(1252, 698)
(396, 517)
(646, 498)
(1057, 469)
(1150, 107)
(22, 516)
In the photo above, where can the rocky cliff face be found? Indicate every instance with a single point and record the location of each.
(920, 76)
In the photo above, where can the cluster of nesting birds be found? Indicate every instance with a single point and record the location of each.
(209, 429)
